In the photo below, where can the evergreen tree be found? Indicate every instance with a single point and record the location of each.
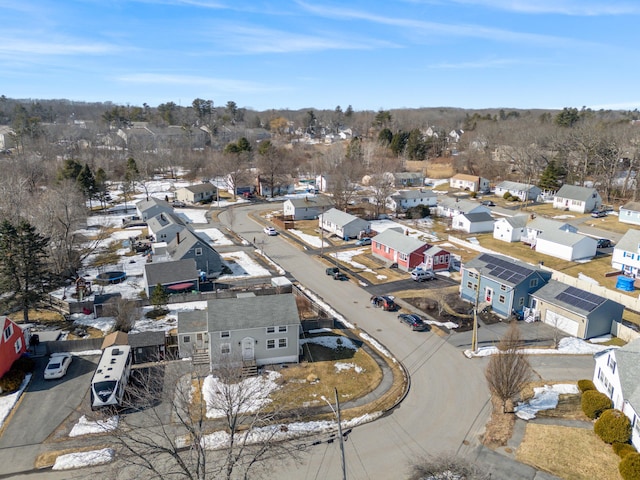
(159, 299)
(416, 148)
(550, 177)
(23, 268)
(70, 170)
(101, 190)
(399, 142)
(87, 183)
(385, 137)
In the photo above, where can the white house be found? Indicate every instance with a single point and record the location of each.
(405, 199)
(577, 199)
(630, 213)
(473, 222)
(540, 224)
(626, 254)
(473, 183)
(566, 245)
(199, 192)
(523, 191)
(165, 226)
(510, 229)
(450, 207)
(616, 375)
(342, 224)
(308, 208)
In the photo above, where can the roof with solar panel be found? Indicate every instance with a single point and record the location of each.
(508, 271)
(569, 298)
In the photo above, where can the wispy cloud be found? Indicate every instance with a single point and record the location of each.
(262, 40)
(17, 46)
(478, 64)
(424, 28)
(583, 8)
(225, 84)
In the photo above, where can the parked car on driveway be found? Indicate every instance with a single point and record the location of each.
(604, 243)
(413, 321)
(488, 203)
(57, 366)
(419, 275)
(363, 241)
(270, 231)
(385, 302)
(599, 214)
(333, 271)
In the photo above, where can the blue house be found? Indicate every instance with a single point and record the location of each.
(504, 284)
(630, 213)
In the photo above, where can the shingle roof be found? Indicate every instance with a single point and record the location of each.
(201, 188)
(517, 221)
(507, 185)
(171, 272)
(466, 177)
(188, 239)
(568, 239)
(147, 338)
(630, 241)
(459, 204)
(339, 217)
(628, 358)
(311, 201)
(633, 206)
(478, 217)
(252, 312)
(399, 241)
(409, 194)
(575, 192)
(143, 205)
(545, 224)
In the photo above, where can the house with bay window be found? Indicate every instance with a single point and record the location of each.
(499, 282)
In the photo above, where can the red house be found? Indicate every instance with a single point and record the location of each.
(395, 247)
(437, 259)
(12, 344)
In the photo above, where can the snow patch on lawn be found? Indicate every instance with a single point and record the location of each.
(544, 398)
(342, 367)
(86, 426)
(84, 459)
(312, 240)
(249, 395)
(7, 402)
(567, 346)
(333, 342)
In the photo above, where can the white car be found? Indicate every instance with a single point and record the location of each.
(270, 231)
(57, 366)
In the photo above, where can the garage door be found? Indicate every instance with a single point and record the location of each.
(562, 323)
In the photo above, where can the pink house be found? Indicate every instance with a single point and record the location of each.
(395, 247)
(12, 344)
(437, 259)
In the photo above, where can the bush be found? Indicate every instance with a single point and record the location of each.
(584, 385)
(11, 381)
(24, 364)
(630, 467)
(594, 403)
(613, 426)
(622, 449)
(506, 195)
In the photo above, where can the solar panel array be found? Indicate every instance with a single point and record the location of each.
(579, 298)
(505, 270)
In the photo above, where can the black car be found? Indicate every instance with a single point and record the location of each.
(604, 243)
(413, 321)
(385, 302)
(488, 203)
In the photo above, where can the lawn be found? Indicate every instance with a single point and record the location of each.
(567, 452)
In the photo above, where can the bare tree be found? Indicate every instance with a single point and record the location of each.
(448, 467)
(125, 311)
(508, 370)
(382, 185)
(201, 426)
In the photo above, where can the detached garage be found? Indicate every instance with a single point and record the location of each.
(574, 311)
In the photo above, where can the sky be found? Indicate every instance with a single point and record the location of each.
(297, 54)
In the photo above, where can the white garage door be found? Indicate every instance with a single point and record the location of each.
(562, 323)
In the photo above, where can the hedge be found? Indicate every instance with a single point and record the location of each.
(584, 385)
(613, 426)
(11, 381)
(630, 467)
(622, 449)
(594, 403)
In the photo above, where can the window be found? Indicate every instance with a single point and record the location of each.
(225, 334)
(271, 329)
(403, 256)
(611, 363)
(18, 345)
(471, 286)
(533, 282)
(198, 252)
(186, 339)
(473, 275)
(282, 343)
(282, 329)
(8, 332)
(225, 348)
(386, 249)
(271, 344)
(198, 337)
(521, 302)
(503, 288)
(501, 298)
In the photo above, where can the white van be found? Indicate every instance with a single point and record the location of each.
(422, 275)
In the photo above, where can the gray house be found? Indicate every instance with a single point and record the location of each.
(408, 179)
(343, 224)
(153, 206)
(404, 199)
(189, 244)
(259, 330)
(630, 213)
(307, 208)
(174, 276)
(147, 346)
(450, 206)
(165, 226)
(500, 282)
(574, 311)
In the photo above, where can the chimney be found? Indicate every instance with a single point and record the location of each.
(178, 237)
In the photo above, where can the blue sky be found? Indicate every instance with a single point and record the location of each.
(370, 54)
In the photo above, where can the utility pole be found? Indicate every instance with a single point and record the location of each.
(474, 336)
(344, 465)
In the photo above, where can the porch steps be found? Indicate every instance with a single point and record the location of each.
(200, 358)
(249, 368)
